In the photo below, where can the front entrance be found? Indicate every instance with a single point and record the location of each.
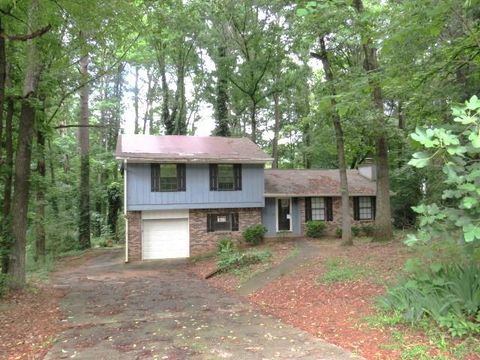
(284, 217)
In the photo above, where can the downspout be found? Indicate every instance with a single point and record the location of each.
(125, 177)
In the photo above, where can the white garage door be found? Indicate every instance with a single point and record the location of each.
(165, 239)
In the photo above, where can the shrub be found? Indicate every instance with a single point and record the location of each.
(253, 235)
(338, 232)
(225, 245)
(448, 294)
(368, 230)
(315, 228)
(234, 259)
(4, 285)
(356, 230)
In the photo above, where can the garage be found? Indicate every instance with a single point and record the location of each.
(165, 237)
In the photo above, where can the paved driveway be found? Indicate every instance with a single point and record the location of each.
(158, 310)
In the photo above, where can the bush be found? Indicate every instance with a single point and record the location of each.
(356, 230)
(234, 259)
(315, 228)
(448, 294)
(253, 235)
(225, 245)
(4, 285)
(368, 230)
(338, 232)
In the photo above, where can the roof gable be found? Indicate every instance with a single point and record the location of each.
(181, 148)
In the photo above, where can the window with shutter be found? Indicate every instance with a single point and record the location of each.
(222, 222)
(168, 177)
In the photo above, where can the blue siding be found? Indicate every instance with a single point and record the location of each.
(269, 214)
(197, 194)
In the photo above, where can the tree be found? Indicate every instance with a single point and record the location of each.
(83, 136)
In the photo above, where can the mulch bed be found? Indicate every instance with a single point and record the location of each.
(29, 321)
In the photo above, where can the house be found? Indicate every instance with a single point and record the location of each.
(184, 193)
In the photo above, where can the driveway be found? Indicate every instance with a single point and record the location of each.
(158, 310)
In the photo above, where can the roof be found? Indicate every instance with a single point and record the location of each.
(315, 183)
(180, 148)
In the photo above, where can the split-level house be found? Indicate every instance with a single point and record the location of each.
(182, 194)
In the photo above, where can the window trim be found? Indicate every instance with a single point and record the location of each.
(237, 177)
(356, 208)
(156, 175)
(328, 201)
(233, 219)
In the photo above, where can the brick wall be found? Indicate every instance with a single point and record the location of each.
(134, 235)
(332, 226)
(202, 242)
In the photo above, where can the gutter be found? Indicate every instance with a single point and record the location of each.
(195, 160)
(125, 172)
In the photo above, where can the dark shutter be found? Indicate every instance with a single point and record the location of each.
(155, 177)
(210, 220)
(213, 177)
(356, 208)
(308, 209)
(237, 174)
(328, 209)
(374, 206)
(181, 178)
(234, 220)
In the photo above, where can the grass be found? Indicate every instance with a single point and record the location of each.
(337, 270)
(439, 342)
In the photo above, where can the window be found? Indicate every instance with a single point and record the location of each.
(364, 207)
(168, 177)
(222, 222)
(318, 208)
(225, 177)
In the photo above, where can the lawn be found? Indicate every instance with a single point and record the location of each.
(334, 297)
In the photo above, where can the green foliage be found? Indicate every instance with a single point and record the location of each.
(338, 232)
(356, 230)
(447, 293)
(368, 230)
(254, 234)
(4, 284)
(234, 259)
(315, 228)
(338, 270)
(455, 149)
(225, 245)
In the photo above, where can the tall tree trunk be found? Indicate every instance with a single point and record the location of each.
(83, 134)
(180, 118)
(383, 222)
(253, 121)
(7, 189)
(3, 73)
(222, 127)
(40, 208)
(135, 101)
(53, 197)
(276, 130)
(16, 266)
(166, 120)
(339, 139)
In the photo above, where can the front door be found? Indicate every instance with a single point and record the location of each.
(283, 214)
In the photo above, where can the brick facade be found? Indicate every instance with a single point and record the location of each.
(332, 226)
(134, 219)
(202, 242)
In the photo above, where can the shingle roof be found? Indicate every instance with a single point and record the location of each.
(189, 149)
(315, 183)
